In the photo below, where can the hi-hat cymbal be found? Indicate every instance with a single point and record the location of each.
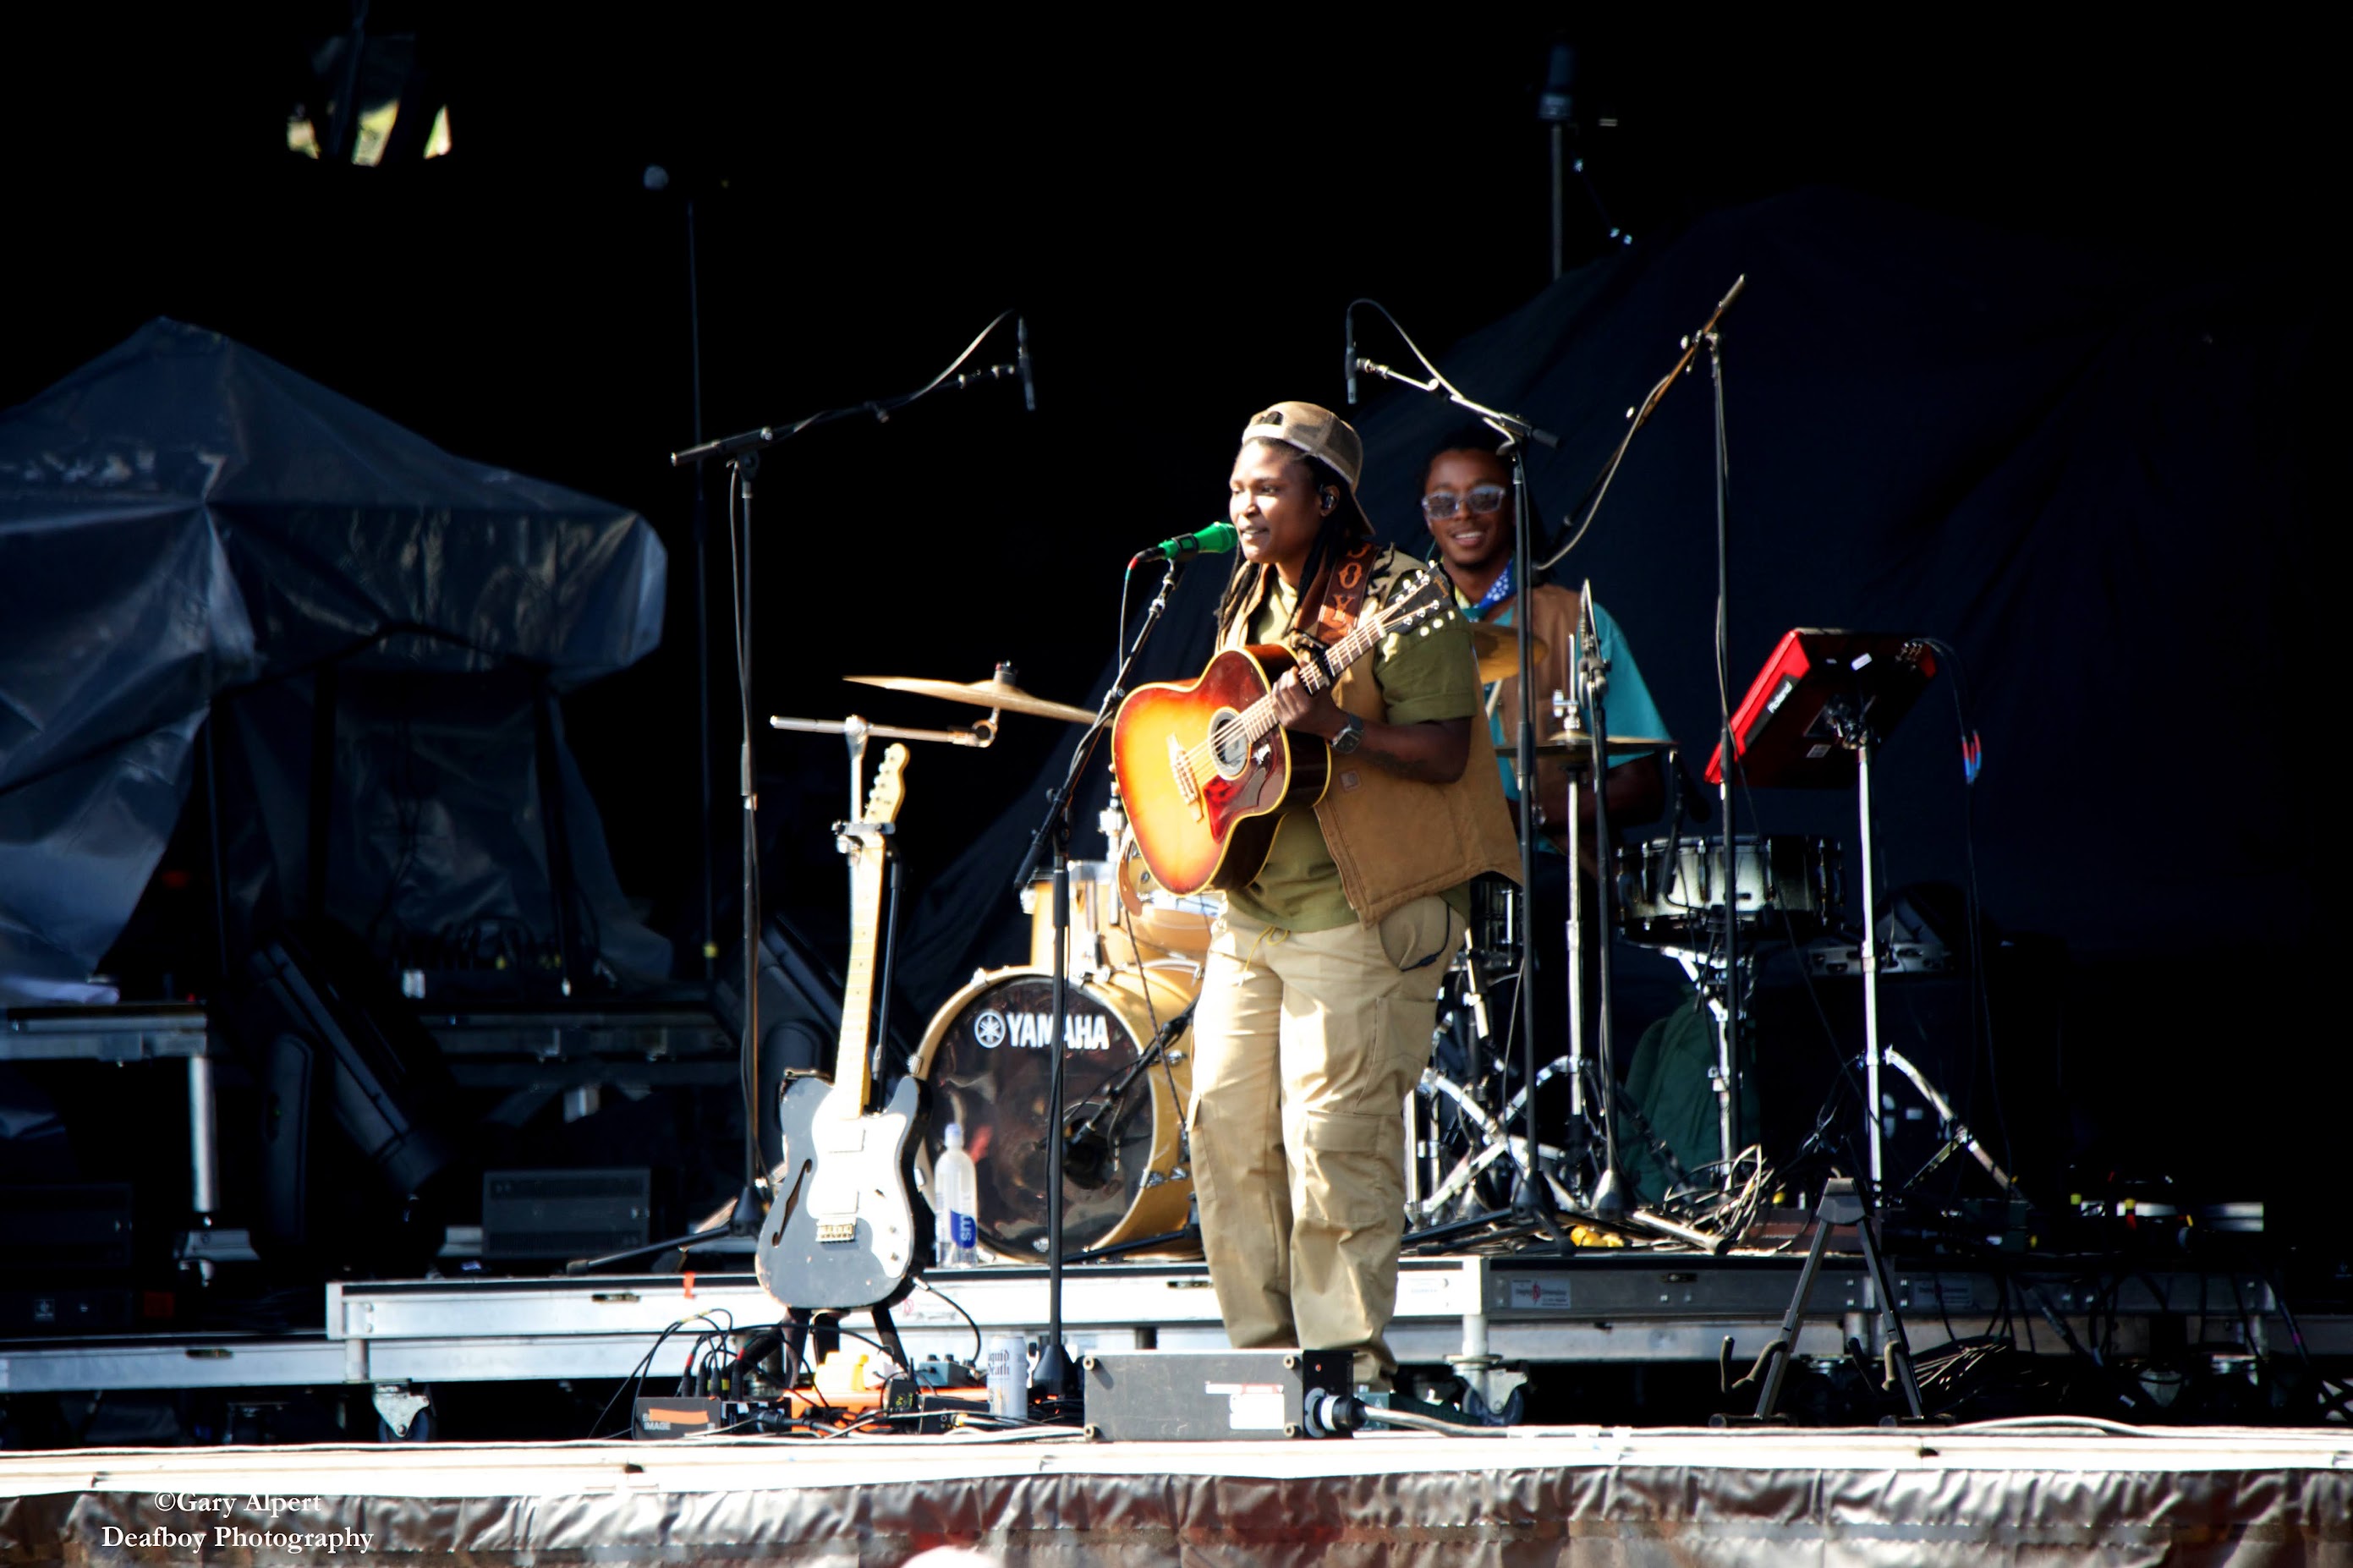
(1579, 748)
(1001, 694)
(1498, 648)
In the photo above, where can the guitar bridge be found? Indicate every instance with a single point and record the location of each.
(1182, 771)
(832, 1231)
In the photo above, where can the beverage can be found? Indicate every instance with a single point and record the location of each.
(1008, 1376)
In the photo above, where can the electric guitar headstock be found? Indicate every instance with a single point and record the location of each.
(883, 800)
(890, 791)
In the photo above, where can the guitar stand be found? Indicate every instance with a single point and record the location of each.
(803, 1322)
(1844, 1202)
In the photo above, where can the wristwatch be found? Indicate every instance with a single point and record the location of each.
(1351, 735)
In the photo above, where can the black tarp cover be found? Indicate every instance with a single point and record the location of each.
(183, 516)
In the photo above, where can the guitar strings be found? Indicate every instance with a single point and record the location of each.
(1256, 720)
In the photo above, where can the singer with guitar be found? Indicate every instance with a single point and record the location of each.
(1320, 990)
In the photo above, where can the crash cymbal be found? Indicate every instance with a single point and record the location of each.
(1498, 648)
(1001, 694)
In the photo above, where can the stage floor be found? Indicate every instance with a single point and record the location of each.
(2044, 1491)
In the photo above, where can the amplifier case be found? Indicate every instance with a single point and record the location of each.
(1201, 1396)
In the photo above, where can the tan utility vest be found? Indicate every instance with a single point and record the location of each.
(1397, 840)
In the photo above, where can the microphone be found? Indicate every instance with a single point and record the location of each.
(1021, 358)
(1087, 1154)
(1352, 356)
(1218, 539)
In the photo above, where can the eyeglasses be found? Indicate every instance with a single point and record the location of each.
(1485, 500)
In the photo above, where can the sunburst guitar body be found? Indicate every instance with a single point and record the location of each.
(1205, 769)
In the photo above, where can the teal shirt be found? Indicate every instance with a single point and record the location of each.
(1628, 704)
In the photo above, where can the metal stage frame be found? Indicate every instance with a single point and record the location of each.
(1608, 1306)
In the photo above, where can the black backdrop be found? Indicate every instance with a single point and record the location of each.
(2039, 387)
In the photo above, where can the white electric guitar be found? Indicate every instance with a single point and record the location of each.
(842, 1231)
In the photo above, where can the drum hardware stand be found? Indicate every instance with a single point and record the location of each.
(1053, 836)
(741, 453)
(1844, 1202)
(1956, 1132)
(1529, 1196)
(1608, 1196)
(980, 735)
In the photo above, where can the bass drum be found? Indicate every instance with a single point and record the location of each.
(985, 1059)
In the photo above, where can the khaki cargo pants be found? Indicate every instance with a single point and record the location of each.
(1306, 1046)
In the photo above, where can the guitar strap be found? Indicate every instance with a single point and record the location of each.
(1344, 594)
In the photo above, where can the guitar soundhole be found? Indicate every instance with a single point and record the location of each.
(1229, 743)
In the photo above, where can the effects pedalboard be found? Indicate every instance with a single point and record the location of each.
(937, 1395)
(1130, 1397)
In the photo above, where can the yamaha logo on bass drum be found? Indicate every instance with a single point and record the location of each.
(1085, 1031)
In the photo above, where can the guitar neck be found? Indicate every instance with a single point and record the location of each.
(858, 986)
(1360, 640)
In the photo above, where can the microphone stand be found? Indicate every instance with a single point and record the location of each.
(1529, 1199)
(1053, 833)
(1728, 1040)
(1729, 1018)
(741, 453)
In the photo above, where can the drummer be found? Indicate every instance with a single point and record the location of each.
(1466, 499)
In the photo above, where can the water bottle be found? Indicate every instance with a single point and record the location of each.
(955, 1227)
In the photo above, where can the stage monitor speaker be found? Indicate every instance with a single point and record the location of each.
(65, 1232)
(329, 1036)
(564, 1214)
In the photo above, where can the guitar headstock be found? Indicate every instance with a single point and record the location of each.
(890, 791)
(1423, 602)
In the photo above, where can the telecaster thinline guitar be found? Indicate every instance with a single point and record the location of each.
(841, 1230)
(1205, 768)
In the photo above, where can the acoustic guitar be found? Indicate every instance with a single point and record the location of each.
(1205, 769)
(842, 1231)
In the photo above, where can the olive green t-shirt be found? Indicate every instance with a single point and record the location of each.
(1421, 679)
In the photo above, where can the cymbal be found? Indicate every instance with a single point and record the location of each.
(1498, 648)
(1579, 748)
(1001, 694)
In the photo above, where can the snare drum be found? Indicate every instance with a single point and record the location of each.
(986, 1057)
(1669, 890)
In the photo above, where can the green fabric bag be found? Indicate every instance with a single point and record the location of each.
(1667, 1088)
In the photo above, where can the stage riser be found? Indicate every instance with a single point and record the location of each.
(1626, 1500)
(1665, 1309)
